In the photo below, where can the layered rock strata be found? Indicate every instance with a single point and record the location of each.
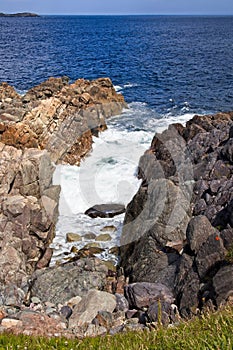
(58, 116)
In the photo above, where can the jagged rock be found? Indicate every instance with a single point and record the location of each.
(28, 211)
(58, 116)
(210, 255)
(143, 294)
(187, 172)
(223, 284)
(105, 210)
(59, 284)
(89, 307)
(198, 230)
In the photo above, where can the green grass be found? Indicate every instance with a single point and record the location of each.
(210, 331)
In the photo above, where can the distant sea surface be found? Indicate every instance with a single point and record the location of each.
(167, 67)
(164, 61)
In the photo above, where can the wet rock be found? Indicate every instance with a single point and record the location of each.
(105, 210)
(110, 228)
(89, 236)
(89, 307)
(104, 237)
(73, 237)
(143, 294)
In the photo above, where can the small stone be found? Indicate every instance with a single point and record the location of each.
(73, 237)
(11, 322)
(89, 236)
(66, 311)
(114, 251)
(104, 237)
(74, 301)
(93, 245)
(110, 228)
(35, 300)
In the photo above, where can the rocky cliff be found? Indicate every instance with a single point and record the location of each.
(178, 229)
(58, 116)
(52, 122)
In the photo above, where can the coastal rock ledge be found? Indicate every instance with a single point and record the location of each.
(52, 122)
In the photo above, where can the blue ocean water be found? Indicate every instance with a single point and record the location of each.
(167, 62)
(167, 67)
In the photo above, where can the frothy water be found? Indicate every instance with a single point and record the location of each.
(107, 175)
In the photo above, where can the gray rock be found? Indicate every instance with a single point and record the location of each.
(122, 303)
(89, 306)
(140, 295)
(198, 230)
(210, 255)
(59, 284)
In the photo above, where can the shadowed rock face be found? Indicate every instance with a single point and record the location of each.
(58, 116)
(178, 228)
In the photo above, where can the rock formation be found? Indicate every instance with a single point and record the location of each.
(178, 229)
(52, 122)
(58, 116)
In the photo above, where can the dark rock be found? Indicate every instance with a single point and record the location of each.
(227, 237)
(187, 287)
(210, 255)
(66, 311)
(161, 312)
(198, 230)
(223, 284)
(105, 210)
(227, 150)
(143, 294)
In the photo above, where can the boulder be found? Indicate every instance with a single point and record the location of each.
(105, 210)
(140, 295)
(61, 283)
(89, 306)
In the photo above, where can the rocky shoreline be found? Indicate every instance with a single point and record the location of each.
(177, 240)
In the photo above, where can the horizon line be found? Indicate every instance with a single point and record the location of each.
(135, 14)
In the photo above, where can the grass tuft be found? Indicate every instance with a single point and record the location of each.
(211, 331)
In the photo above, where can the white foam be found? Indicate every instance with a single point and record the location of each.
(107, 175)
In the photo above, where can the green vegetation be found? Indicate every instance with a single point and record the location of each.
(229, 256)
(210, 331)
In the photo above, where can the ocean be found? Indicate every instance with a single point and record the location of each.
(167, 67)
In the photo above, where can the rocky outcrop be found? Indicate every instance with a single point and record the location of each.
(52, 122)
(178, 229)
(58, 116)
(28, 211)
